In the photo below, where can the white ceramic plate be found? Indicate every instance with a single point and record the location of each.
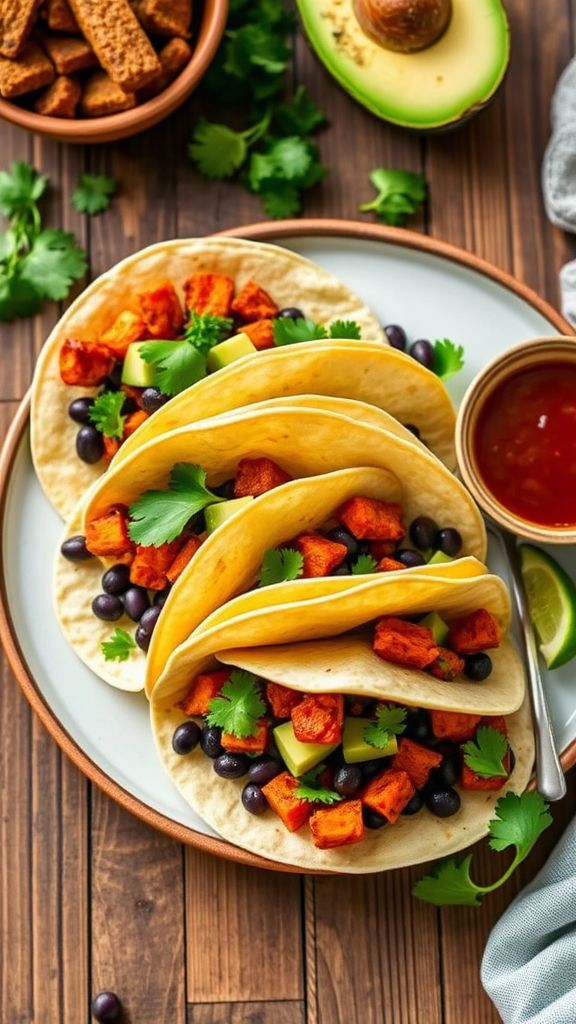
(432, 294)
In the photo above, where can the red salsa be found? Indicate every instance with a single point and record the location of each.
(525, 444)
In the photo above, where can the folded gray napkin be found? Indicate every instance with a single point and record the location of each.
(529, 965)
(559, 178)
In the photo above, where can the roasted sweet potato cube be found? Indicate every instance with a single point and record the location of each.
(389, 565)
(84, 363)
(454, 725)
(470, 781)
(182, 559)
(319, 718)
(389, 792)
(261, 333)
(497, 722)
(253, 303)
(281, 699)
(60, 99)
(127, 327)
(162, 312)
(209, 293)
(111, 446)
(134, 393)
(475, 632)
(151, 564)
(279, 793)
(340, 825)
(204, 688)
(320, 554)
(448, 665)
(107, 536)
(380, 549)
(133, 421)
(416, 760)
(371, 519)
(249, 744)
(404, 643)
(256, 476)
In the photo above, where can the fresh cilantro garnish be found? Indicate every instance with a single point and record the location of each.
(53, 263)
(279, 565)
(312, 790)
(400, 193)
(93, 193)
(389, 722)
(448, 358)
(299, 116)
(203, 330)
(239, 706)
(363, 564)
(20, 190)
(177, 364)
(106, 413)
(218, 151)
(292, 332)
(485, 753)
(519, 821)
(118, 647)
(345, 329)
(158, 517)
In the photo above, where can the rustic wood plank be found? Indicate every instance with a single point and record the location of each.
(243, 932)
(292, 1012)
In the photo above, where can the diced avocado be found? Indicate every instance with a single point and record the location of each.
(300, 757)
(229, 351)
(439, 628)
(355, 746)
(438, 558)
(135, 371)
(215, 515)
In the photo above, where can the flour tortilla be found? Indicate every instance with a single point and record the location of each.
(291, 280)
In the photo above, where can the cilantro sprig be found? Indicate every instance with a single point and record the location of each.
(448, 358)
(158, 517)
(119, 646)
(179, 364)
(204, 330)
(291, 332)
(239, 706)
(400, 194)
(364, 564)
(389, 721)
(312, 790)
(93, 193)
(519, 821)
(106, 413)
(485, 754)
(280, 565)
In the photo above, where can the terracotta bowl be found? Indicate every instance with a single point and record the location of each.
(521, 357)
(130, 122)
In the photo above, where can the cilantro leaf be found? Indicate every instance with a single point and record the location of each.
(53, 263)
(217, 150)
(280, 565)
(118, 647)
(389, 722)
(299, 116)
(177, 364)
(17, 297)
(239, 706)
(448, 358)
(292, 332)
(20, 189)
(345, 329)
(484, 754)
(400, 193)
(254, 45)
(281, 201)
(158, 517)
(106, 411)
(363, 564)
(93, 193)
(312, 790)
(203, 330)
(449, 884)
(519, 822)
(291, 158)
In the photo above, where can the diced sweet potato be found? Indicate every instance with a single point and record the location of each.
(416, 760)
(127, 327)
(107, 536)
(497, 722)
(84, 363)
(182, 559)
(448, 665)
(389, 792)
(204, 688)
(253, 303)
(151, 564)
(340, 825)
(249, 744)
(281, 699)
(209, 293)
(404, 643)
(453, 725)
(370, 519)
(60, 99)
(319, 718)
(389, 565)
(470, 781)
(256, 476)
(162, 312)
(134, 393)
(133, 421)
(380, 549)
(475, 632)
(111, 446)
(320, 555)
(261, 334)
(279, 793)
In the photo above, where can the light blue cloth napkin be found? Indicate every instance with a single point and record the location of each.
(529, 965)
(559, 178)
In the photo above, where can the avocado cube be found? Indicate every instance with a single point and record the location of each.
(439, 628)
(355, 746)
(136, 372)
(229, 351)
(215, 515)
(439, 557)
(300, 757)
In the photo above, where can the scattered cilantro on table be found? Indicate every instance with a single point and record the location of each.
(485, 754)
(400, 194)
(239, 706)
(106, 413)
(158, 517)
(291, 332)
(93, 193)
(364, 564)
(311, 789)
(388, 722)
(118, 647)
(280, 565)
(519, 821)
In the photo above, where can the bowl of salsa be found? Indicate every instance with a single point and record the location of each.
(516, 440)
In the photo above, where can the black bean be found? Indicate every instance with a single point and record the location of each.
(107, 607)
(210, 741)
(225, 490)
(253, 798)
(414, 805)
(231, 766)
(153, 399)
(478, 666)
(447, 773)
(443, 802)
(423, 532)
(75, 550)
(89, 444)
(348, 779)
(161, 596)
(419, 725)
(79, 410)
(411, 559)
(186, 737)
(372, 819)
(372, 768)
(129, 406)
(116, 579)
(449, 541)
(136, 602)
(290, 313)
(341, 570)
(341, 536)
(142, 638)
(264, 769)
(149, 619)
(105, 1007)
(423, 352)
(396, 336)
(114, 379)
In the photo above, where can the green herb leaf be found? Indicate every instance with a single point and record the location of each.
(118, 647)
(390, 721)
(217, 150)
(105, 413)
(20, 189)
(177, 364)
(239, 706)
(203, 330)
(280, 565)
(448, 358)
(281, 201)
(93, 193)
(345, 329)
(17, 297)
(485, 753)
(158, 517)
(299, 116)
(400, 193)
(312, 790)
(292, 332)
(449, 884)
(364, 564)
(53, 263)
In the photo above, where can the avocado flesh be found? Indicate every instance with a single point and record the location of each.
(215, 515)
(356, 748)
(299, 757)
(135, 371)
(439, 558)
(439, 628)
(229, 351)
(432, 88)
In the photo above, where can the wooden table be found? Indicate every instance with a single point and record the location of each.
(90, 898)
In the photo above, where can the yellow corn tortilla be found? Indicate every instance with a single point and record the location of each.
(291, 279)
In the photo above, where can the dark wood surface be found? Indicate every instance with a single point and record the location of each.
(91, 898)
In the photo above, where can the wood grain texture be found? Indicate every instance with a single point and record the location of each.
(248, 1013)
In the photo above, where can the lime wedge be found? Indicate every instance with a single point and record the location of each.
(552, 602)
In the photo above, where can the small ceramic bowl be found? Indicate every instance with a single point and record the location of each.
(521, 357)
(131, 122)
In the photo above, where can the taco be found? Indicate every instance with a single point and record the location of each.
(201, 509)
(337, 741)
(204, 289)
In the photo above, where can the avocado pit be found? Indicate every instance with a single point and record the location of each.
(404, 26)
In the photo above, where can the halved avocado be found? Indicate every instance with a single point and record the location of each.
(432, 88)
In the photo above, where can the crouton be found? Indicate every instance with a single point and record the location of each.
(416, 760)
(68, 53)
(209, 293)
(16, 20)
(279, 793)
(319, 718)
(173, 58)
(84, 363)
(248, 744)
(59, 16)
(454, 725)
(475, 632)
(370, 519)
(118, 40)
(389, 793)
(60, 99)
(404, 643)
(261, 333)
(161, 312)
(107, 535)
(164, 17)
(182, 559)
(102, 96)
(281, 699)
(340, 825)
(203, 689)
(127, 328)
(253, 303)
(256, 476)
(151, 564)
(320, 555)
(32, 70)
